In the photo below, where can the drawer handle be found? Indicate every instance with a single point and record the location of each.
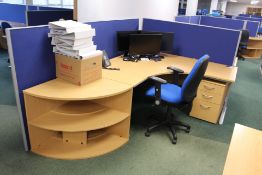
(207, 96)
(205, 107)
(208, 87)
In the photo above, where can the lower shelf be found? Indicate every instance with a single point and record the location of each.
(56, 148)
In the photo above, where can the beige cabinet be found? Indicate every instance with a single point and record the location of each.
(209, 101)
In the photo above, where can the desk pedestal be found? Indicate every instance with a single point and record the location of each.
(210, 100)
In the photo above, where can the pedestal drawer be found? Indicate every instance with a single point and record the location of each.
(212, 87)
(211, 97)
(205, 110)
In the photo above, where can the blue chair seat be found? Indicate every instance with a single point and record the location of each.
(169, 92)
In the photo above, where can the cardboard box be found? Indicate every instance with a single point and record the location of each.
(79, 72)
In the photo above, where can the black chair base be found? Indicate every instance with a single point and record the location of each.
(171, 124)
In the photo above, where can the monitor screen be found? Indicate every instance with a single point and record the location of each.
(145, 44)
(123, 39)
(167, 40)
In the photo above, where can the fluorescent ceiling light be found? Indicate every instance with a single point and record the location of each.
(253, 2)
(233, 0)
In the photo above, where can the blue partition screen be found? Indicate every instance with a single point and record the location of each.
(52, 8)
(254, 16)
(45, 16)
(249, 19)
(33, 59)
(195, 19)
(244, 15)
(195, 40)
(31, 7)
(222, 22)
(252, 27)
(12, 12)
(106, 39)
(185, 19)
(17, 12)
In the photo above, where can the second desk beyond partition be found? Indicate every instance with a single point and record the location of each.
(245, 152)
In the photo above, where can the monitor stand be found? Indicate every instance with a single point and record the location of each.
(156, 57)
(126, 54)
(135, 58)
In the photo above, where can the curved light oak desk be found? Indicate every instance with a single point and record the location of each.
(67, 121)
(254, 48)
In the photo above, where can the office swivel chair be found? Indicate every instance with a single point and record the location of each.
(259, 32)
(5, 25)
(243, 44)
(180, 97)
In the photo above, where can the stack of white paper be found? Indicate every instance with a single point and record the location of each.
(72, 38)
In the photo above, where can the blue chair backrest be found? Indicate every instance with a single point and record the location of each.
(192, 81)
(5, 25)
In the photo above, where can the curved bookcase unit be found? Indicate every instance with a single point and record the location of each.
(79, 116)
(254, 48)
(67, 121)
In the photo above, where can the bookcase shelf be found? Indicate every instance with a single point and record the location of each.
(254, 11)
(56, 148)
(79, 116)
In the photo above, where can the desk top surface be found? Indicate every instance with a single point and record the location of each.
(134, 73)
(245, 152)
(255, 38)
(130, 75)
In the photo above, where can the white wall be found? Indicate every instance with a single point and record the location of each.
(213, 5)
(191, 8)
(204, 4)
(237, 8)
(101, 10)
(223, 6)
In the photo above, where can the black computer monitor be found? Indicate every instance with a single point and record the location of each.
(167, 40)
(144, 44)
(123, 39)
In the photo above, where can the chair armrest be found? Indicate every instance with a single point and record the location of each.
(175, 69)
(158, 81)
(176, 72)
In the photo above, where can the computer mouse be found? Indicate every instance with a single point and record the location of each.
(125, 59)
(158, 56)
